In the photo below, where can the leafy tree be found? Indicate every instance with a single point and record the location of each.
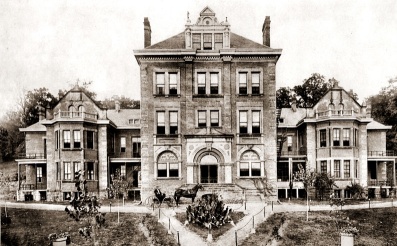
(311, 91)
(125, 103)
(283, 97)
(356, 190)
(306, 176)
(323, 184)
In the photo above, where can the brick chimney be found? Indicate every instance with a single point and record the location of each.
(41, 112)
(147, 32)
(266, 31)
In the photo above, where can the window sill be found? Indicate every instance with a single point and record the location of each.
(72, 149)
(342, 147)
(249, 134)
(249, 177)
(208, 96)
(249, 95)
(167, 135)
(168, 178)
(166, 95)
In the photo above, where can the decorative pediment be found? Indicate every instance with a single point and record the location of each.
(207, 18)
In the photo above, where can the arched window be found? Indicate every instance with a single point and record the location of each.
(167, 165)
(250, 164)
(81, 110)
(71, 110)
(341, 108)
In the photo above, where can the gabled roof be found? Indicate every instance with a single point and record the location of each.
(236, 42)
(36, 127)
(122, 117)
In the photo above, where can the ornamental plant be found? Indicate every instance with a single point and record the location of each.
(343, 223)
(53, 237)
(85, 207)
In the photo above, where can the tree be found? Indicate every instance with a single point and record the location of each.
(323, 184)
(356, 190)
(125, 103)
(306, 176)
(311, 91)
(3, 143)
(283, 97)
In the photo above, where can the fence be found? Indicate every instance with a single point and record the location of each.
(166, 221)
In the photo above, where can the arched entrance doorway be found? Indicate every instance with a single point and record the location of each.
(209, 167)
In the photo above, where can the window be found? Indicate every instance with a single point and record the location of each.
(202, 118)
(214, 83)
(337, 168)
(90, 140)
(173, 122)
(256, 122)
(355, 137)
(243, 122)
(122, 171)
(243, 84)
(160, 122)
(66, 139)
(356, 169)
(56, 139)
(214, 117)
(196, 38)
(250, 165)
(59, 174)
(136, 147)
(76, 139)
(207, 41)
(67, 171)
(249, 122)
(323, 167)
(39, 174)
(201, 84)
(122, 144)
(173, 82)
(167, 165)
(255, 83)
(336, 137)
(77, 167)
(160, 83)
(282, 171)
(346, 169)
(323, 138)
(289, 143)
(218, 38)
(90, 171)
(346, 137)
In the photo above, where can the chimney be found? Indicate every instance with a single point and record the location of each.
(147, 32)
(266, 31)
(293, 104)
(117, 105)
(41, 112)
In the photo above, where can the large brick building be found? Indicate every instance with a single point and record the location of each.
(208, 115)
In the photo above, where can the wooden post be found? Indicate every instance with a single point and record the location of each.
(235, 236)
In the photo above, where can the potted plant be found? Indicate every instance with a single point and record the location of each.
(60, 239)
(343, 224)
(347, 235)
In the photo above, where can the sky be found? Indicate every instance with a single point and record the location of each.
(54, 43)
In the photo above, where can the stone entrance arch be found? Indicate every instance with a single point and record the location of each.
(209, 162)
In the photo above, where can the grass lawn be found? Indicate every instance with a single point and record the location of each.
(32, 227)
(376, 227)
(216, 232)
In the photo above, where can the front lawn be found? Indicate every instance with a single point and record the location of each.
(376, 227)
(32, 227)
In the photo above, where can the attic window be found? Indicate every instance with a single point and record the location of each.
(281, 120)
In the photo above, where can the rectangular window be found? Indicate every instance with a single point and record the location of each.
(173, 82)
(162, 170)
(336, 137)
(160, 83)
(90, 171)
(59, 172)
(255, 83)
(122, 171)
(323, 138)
(214, 117)
(90, 140)
(355, 137)
(196, 38)
(66, 139)
(243, 122)
(202, 118)
(76, 139)
(160, 122)
(244, 169)
(201, 84)
(122, 144)
(346, 169)
(136, 147)
(337, 168)
(173, 123)
(56, 139)
(207, 41)
(242, 83)
(323, 167)
(282, 171)
(256, 122)
(289, 143)
(356, 169)
(255, 169)
(218, 39)
(214, 85)
(346, 137)
(174, 169)
(67, 171)
(39, 174)
(77, 167)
